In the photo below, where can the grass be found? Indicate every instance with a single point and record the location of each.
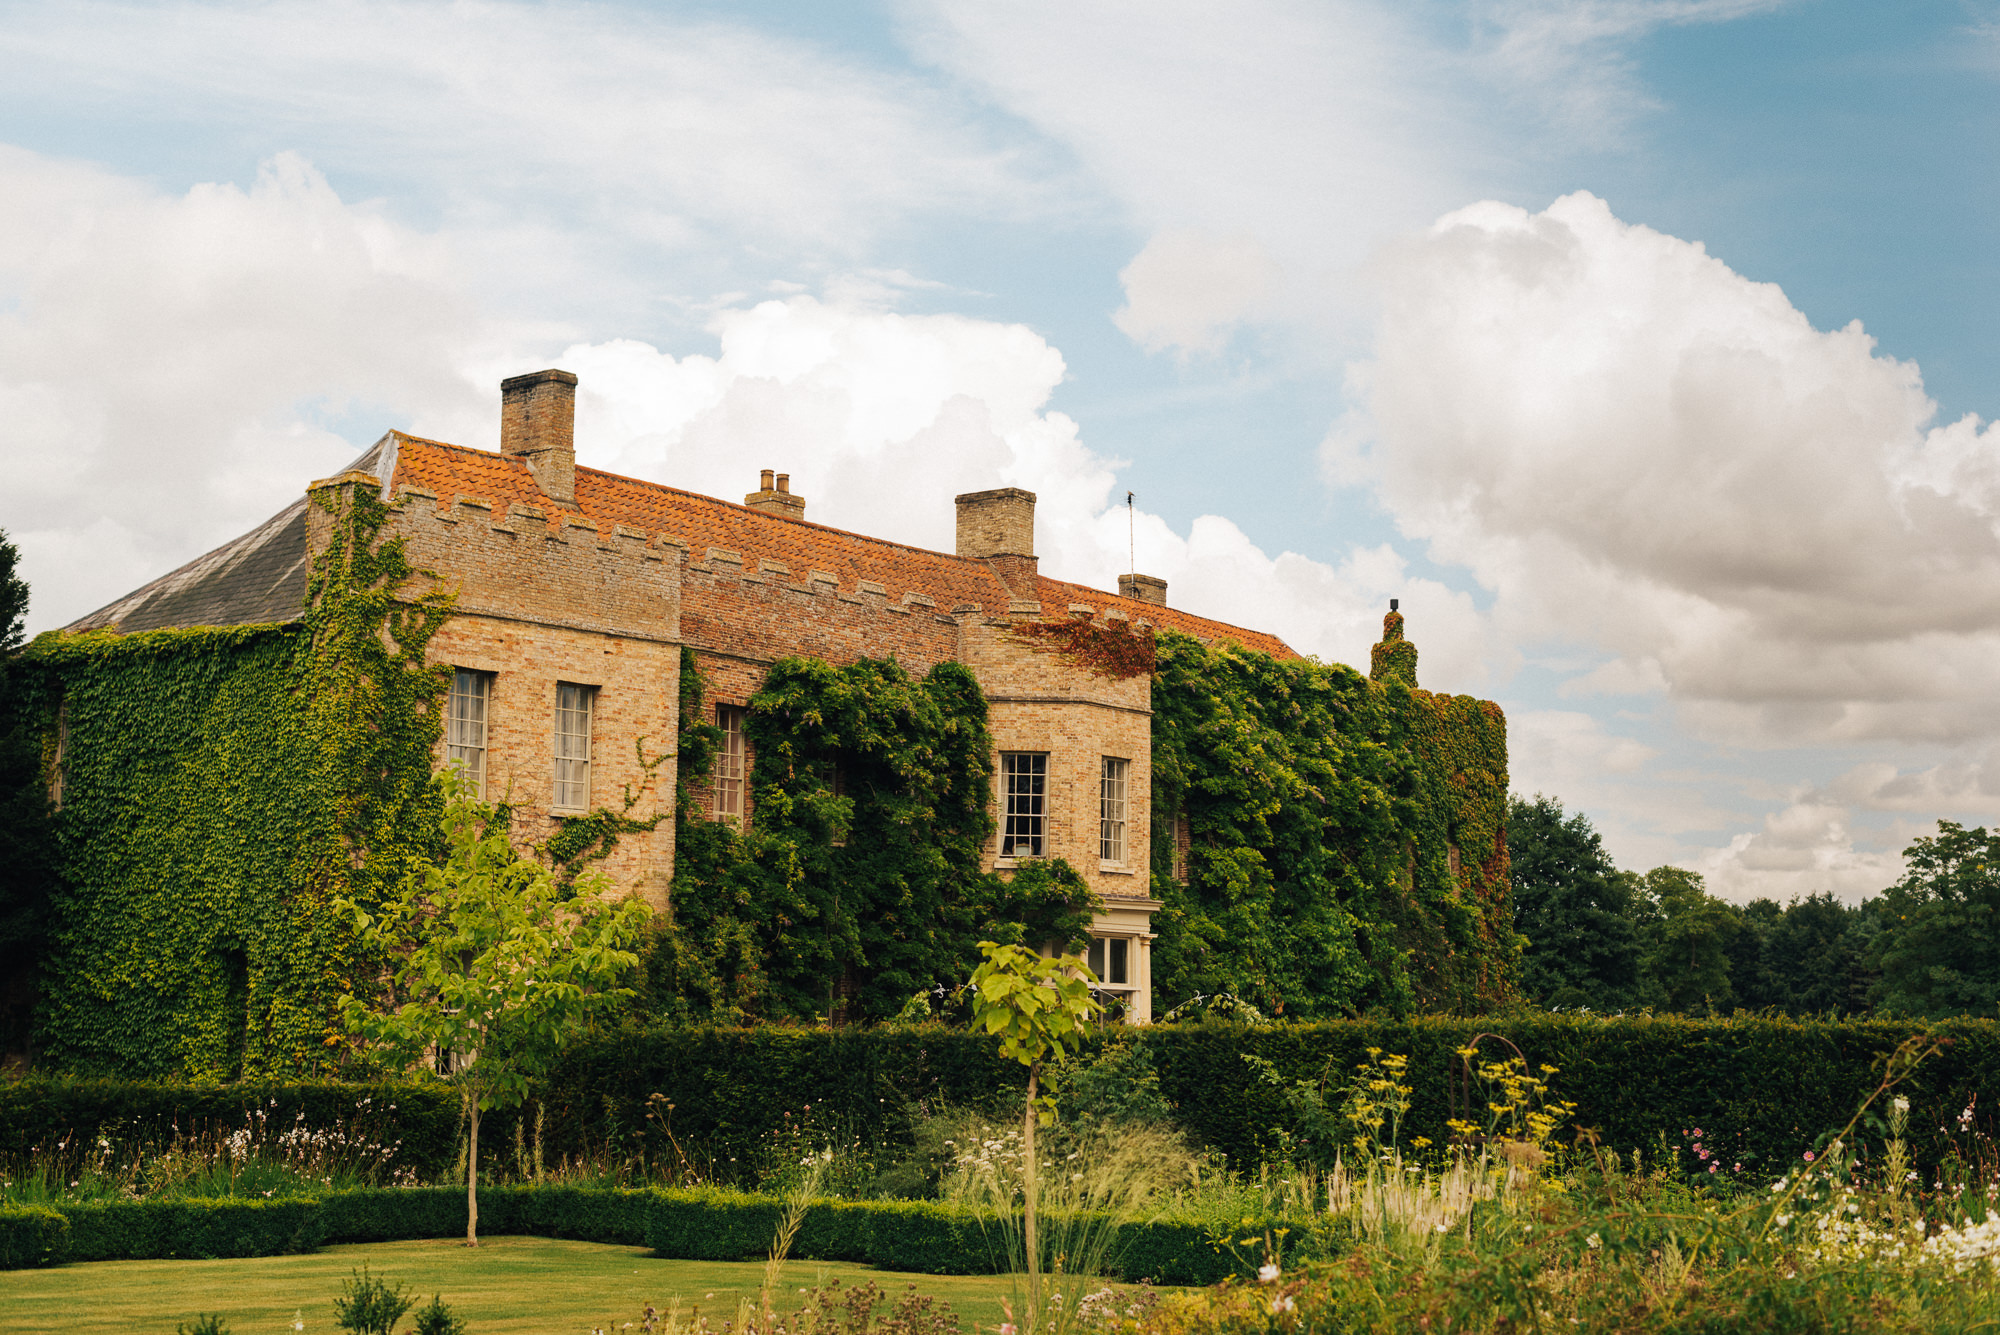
(507, 1286)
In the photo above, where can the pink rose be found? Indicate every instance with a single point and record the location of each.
(1809, 1156)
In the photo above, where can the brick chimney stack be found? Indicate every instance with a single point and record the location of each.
(998, 527)
(538, 426)
(774, 496)
(996, 523)
(1144, 588)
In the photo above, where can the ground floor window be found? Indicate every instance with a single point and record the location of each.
(1110, 959)
(1024, 777)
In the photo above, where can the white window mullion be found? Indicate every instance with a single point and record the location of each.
(573, 710)
(465, 726)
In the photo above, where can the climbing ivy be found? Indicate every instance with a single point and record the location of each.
(219, 787)
(1321, 809)
(859, 879)
(1111, 650)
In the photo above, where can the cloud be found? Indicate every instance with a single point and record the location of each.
(1567, 57)
(164, 359)
(548, 132)
(1639, 450)
(1188, 289)
(881, 417)
(1307, 133)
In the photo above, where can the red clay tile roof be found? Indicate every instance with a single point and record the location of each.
(703, 522)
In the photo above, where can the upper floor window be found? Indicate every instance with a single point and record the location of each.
(1024, 777)
(730, 764)
(1111, 810)
(574, 706)
(465, 726)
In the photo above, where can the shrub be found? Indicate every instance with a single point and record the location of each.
(368, 1306)
(32, 1236)
(437, 1319)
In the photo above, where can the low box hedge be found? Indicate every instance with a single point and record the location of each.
(192, 1228)
(709, 1224)
(32, 1236)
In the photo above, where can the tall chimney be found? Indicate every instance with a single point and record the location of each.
(1144, 588)
(996, 523)
(774, 496)
(538, 426)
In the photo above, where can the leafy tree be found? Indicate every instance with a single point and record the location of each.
(491, 967)
(1939, 948)
(1686, 934)
(26, 866)
(1815, 958)
(1574, 908)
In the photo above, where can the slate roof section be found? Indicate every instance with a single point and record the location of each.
(261, 576)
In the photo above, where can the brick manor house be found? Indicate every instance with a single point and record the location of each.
(576, 591)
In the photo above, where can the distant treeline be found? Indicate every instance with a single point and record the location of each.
(1609, 940)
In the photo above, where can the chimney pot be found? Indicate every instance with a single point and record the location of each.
(538, 426)
(774, 496)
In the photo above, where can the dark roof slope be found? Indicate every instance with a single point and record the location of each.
(258, 577)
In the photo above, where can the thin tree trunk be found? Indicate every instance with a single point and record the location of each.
(1034, 1247)
(472, 1176)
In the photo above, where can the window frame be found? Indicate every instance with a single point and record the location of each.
(454, 750)
(1024, 779)
(1114, 786)
(563, 749)
(729, 785)
(1104, 951)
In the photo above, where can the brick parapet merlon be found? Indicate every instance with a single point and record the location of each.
(550, 567)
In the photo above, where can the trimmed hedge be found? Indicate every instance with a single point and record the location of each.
(39, 1112)
(32, 1236)
(1777, 1083)
(703, 1225)
(192, 1228)
(1768, 1085)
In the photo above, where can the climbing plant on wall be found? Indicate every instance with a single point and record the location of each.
(1322, 809)
(859, 878)
(218, 788)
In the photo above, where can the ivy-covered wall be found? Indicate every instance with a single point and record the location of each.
(1345, 845)
(860, 880)
(216, 788)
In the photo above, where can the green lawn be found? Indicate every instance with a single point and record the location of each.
(508, 1286)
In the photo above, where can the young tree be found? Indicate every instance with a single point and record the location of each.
(1939, 947)
(1037, 1006)
(491, 967)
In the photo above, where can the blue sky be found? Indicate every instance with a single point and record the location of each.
(1534, 313)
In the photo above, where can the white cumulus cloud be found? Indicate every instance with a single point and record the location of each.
(1640, 450)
